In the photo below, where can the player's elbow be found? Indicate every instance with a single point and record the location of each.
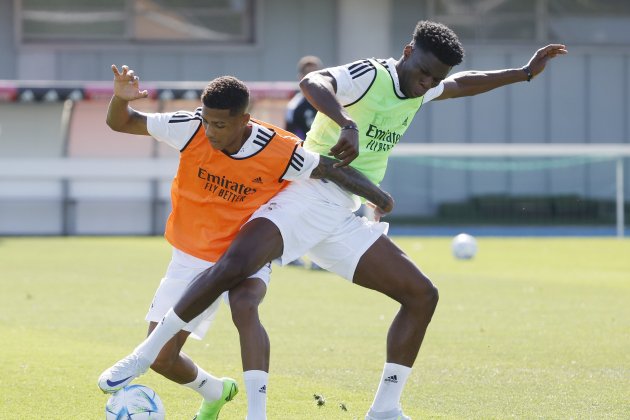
(113, 124)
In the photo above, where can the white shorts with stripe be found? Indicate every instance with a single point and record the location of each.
(181, 271)
(316, 218)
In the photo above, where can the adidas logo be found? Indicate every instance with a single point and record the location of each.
(263, 389)
(257, 180)
(393, 379)
(202, 383)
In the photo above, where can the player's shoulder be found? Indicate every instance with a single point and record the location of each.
(266, 131)
(183, 116)
(361, 68)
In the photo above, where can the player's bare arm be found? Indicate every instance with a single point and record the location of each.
(319, 89)
(355, 182)
(469, 83)
(120, 116)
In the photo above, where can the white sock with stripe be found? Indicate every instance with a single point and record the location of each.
(208, 386)
(390, 388)
(170, 325)
(256, 388)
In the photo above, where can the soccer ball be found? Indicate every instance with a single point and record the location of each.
(464, 246)
(134, 402)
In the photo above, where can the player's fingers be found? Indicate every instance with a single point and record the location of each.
(144, 93)
(346, 161)
(115, 70)
(337, 148)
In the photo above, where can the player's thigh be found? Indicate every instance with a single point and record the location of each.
(384, 267)
(257, 243)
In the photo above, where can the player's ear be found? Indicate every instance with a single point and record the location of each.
(407, 51)
(246, 117)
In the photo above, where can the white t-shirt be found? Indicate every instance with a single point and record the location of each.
(177, 128)
(354, 79)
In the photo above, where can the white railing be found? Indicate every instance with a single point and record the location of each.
(613, 151)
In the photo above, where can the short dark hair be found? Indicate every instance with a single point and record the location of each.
(226, 92)
(440, 40)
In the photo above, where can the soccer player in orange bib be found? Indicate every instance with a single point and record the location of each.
(230, 164)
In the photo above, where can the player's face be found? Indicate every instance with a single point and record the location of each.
(420, 71)
(224, 131)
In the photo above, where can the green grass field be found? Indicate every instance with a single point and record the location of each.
(532, 328)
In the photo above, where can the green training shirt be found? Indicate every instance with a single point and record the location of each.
(382, 117)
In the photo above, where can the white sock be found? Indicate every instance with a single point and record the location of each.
(256, 387)
(208, 386)
(170, 325)
(390, 388)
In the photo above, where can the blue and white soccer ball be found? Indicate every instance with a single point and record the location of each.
(464, 246)
(134, 402)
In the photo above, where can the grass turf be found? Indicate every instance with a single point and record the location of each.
(531, 328)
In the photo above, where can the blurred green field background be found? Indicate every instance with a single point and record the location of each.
(531, 328)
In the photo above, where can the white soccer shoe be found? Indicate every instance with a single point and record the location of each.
(396, 414)
(122, 373)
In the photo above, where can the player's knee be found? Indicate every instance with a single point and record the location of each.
(424, 295)
(244, 308)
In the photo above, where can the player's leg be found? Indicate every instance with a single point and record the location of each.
(258, 242)
(244, 301)
(359, 251)
(385, 267)
(170, 361)
(175, 365)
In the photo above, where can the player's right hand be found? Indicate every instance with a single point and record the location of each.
(126, 84)
(347, 148)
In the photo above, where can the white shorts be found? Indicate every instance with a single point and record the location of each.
(182, 269)
(316, 223)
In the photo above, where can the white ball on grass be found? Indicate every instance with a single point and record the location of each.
(464, 246)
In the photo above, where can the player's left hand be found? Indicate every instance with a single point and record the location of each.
(538, 62)
(347, 148)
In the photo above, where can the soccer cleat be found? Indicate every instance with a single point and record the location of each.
(210, 410)
(122, 373)
(396, 414)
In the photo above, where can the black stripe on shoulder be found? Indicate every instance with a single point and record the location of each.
(357, 64)
(289, 163)
(368, 88)
(184, 116)
(191, 137)
(264, 133)
(361, 70)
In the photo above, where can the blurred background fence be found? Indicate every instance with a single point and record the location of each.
(51, 108)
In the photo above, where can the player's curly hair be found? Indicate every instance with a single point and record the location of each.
(226, 92)
(440, 40)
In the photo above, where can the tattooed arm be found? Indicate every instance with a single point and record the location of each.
(353, 181)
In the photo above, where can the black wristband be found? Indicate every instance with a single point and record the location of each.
(350, 127)
(528, 72)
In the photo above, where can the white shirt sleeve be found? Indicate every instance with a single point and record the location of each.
(174, 128)
(353, 80)
(302, 164)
